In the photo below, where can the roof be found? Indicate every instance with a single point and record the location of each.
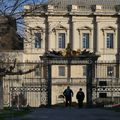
(87, 2)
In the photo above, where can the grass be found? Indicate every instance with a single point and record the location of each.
(11, 113)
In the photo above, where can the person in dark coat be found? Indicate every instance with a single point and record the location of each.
(80, 97)
(68, 93)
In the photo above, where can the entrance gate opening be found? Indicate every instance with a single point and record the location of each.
(88, 59)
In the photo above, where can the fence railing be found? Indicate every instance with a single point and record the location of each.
(106, 84)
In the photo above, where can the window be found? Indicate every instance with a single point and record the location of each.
(37, 72)
(61, 40)
(109, 40)
(37, 40)
(102, 95)
(85, 40)
(84, 71)
(102, 83)
(110, 71)
(61, 71)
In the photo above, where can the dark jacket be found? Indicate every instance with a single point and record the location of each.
(68, 93)
(80, 96)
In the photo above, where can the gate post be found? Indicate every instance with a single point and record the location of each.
(48, 80)
(89, 84)
(49, 84)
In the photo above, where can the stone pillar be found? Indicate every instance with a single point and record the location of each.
(118, 35)
(95, 34)
(71, 31)
(46, 33)
(71, 39)
(48, 80)
(89, 84)
(73, 36)
(97, 38)
(118, 49)
(69, 70)
(49, 86)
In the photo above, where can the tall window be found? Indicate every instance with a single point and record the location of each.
(85, 40)
(61, 71)
(109, 40)
(37, 72)
(84, 71)
(37, 40)
(61, 40)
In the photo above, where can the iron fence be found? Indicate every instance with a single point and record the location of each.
(32, 89)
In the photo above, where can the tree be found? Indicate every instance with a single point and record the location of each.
(11, 20)
(9, 70)
(11, 12)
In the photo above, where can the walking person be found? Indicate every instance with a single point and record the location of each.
(80, 97)
(68, 93)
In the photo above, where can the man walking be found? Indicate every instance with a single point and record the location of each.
(68, 93)
(80, 97)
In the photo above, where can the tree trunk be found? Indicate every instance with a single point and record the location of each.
(1, 93)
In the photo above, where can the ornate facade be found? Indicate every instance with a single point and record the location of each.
(85, 26)
(91, 25)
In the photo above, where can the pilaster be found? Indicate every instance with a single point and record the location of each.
(46, 33)
(95, 34)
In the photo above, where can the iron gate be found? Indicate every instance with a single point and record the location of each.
(26, 90)
(32, 89)
(106, 85)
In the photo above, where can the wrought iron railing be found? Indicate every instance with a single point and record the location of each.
(29, 83)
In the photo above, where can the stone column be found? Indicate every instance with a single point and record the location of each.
(90, 76)
(73, 36)
(118, 48)
(118, 39)
(48, 80)
(71, 46)
(49, 85)
(95, 34)
(71, 31)
(69, 70)
(46, 33)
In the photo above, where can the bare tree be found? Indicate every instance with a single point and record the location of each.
(9, 69)
(11, 16)
(11, 20)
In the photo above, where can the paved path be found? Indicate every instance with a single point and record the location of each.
(70, 114)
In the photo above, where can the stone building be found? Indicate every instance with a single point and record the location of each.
(92, 25)
(85, 24)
